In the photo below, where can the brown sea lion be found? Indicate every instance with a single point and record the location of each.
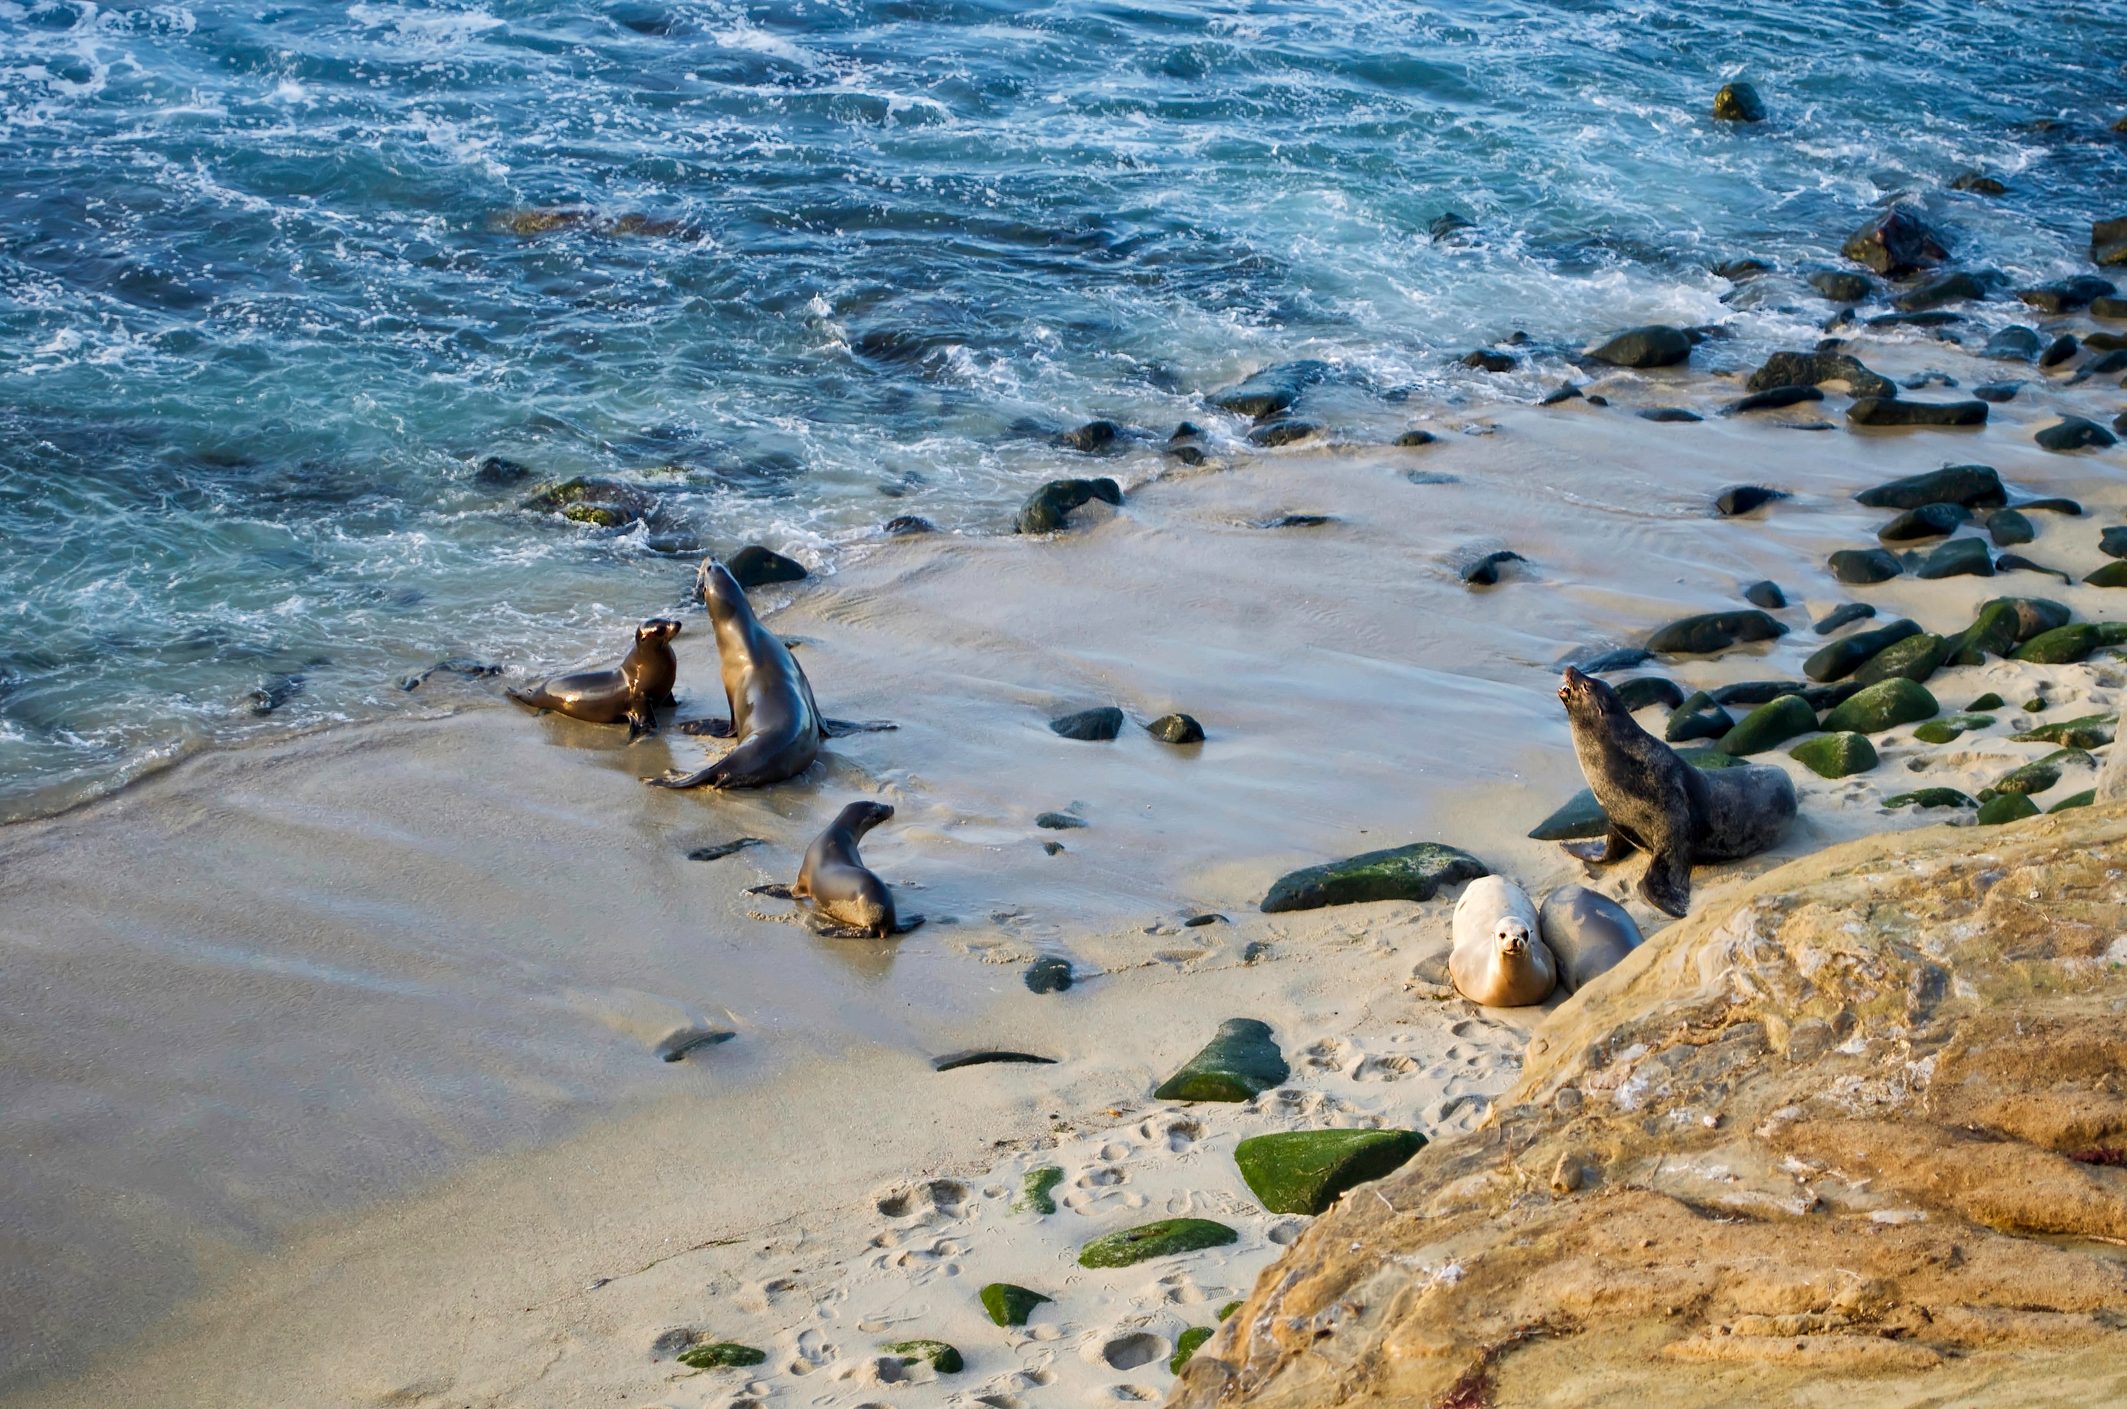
(1497, 959)
(772, 714)
(1679, 815)
(848, 900)
(630, 693)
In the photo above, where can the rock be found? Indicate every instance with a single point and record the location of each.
(1765, 594)
(1835, 755)
(906, 525)
(1768, 726)
(1931, 797)
(1647, 690)
(601, 503)
(1285, 430)
(495, 472)
(1737, 271)
(2086, 798)
(1669, 414)
(1990, 700)
(2000, 623)
(1973, 486)
(1037, 1189)
(1738, 102)
(1772, 400)
(1166, 1238)
(1185, 1345)
(1949, 728)
(2016, 562)
(1927, 521)
(2055, 505)
(1932, 318)
(1655, 345)
(2091, 731)
(940, 1356)
(1995, 393)
(1059, 821)
(1713, 631)
(1305, 1171)
(1960, 557)
(2108, 241)
(1448, 225)
(988, 1056)
(755, 566)
(720, 1355)
(2074, 433)
(1564, 391)
(1950, 288)
(1294, 521)
(2015, 343)
(2008, 807)
(1698, 718)
(1095, 438)
(2108, 308)
(1485, 359)
(1840, 285)
(2112, 542)
(2112, 574)
(1412, 872)
(1896, 241)
(2008, 528)
(1050, 973)
(2066, 645)
(1844, 656)
(1049, 507)
(1978, 184)
(1411, 439)
(1859, 566)
(1742, 498)
(1811, 368)
(1484, 572)
(1010, 1304)
(1883, 705)
(1093, 726)
(1176, 729)
(2112, 363)
(1240, 1063)
(1841, 615)
(2067, 295)
(1884, 411)
(2059, 350)
(1916, 658)
(1271, 390)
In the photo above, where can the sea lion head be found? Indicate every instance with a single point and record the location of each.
(861, 817)
(1587, 698)
(1512, 936)
(656, 631)
(719, 590)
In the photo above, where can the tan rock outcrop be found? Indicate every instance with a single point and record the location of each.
(1864, 1121)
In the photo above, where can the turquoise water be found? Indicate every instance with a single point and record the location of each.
(269, 292)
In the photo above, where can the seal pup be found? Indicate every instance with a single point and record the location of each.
(1677, 814)
(847, 899)
(630, 693)
(1587, 932)
(772, 714)
(1497, 959)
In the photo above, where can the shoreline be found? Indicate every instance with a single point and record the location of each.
(1394, 705)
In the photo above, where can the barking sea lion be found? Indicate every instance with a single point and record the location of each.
(1657, 802)
(1498, 960)
(630, 693)
(772, 714)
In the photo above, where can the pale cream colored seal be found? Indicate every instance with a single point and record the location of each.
(1497, 959)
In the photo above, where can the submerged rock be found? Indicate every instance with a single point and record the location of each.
(1896, 241)
(1959, 287)
(1886, 411)
(1713, 631)
(601, 503)
(1305, 1171)
(2067, 295)
(1049, 507)
(1414, 872)
(1742, 498)
(2059, 350)
(1835, 755)
(1995, 393)
(2015, 343)
(1841, 285)
(1285, 430)
(1166, 1238)
(1784, 369)
(1669, 414)
(1093, 726)
(1841, 615)
(1095, 438)
(1271, 390)
(1655, 345)
(1484, 572)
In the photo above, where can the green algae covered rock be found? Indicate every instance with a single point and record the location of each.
(1713, 631)
(720, 1355)
(1883, 705)
(1010, 1305)
(1989, 700)
(1034, 1191)
(1413, 872)
(1048, 508)
(1945, 730)
(2034, 777)
(2112, 574)
(1931, 797)
(1239, 1064)
(1305, 1171)
(1165, 1238)
(1698, 717)
(1228, 1309)
(1769, 725)
(1847, 654)
(2009, 807)
(1915, 658)
(2073, 800)
(2065, 645)
(942, 1357)
(2089, 732)
(1185, 1345)
(1835, 755)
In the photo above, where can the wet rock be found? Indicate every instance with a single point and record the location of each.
(1698, 717)
(1565, 391)
(1927, 521)
(1176, 729)
(1712, 632)
(494, 472)
(2059, 350)
(1812, 368)
(1765, 594)
(1743, 498)
(2113, 574)
(1844, 656)
(904, 525)
(1925, 798)
(1655, 345)
(2008, 807)
(1959, 287)
(1768, 726)
(468, 667)
(601, 503)
(937, 1354)
(1738, 271)
(1010, 1304)
(2067, 295)
(1414, 872)
(1271, 390)
(1648, 690)
(1896, 241)
(1093, 726)
(1449, 225)
(1864, 565)
(2008, 528)
(1285, 430)
(2108, 308)
(1305, 1171)
(2015, 343)
(1995, 393)
(1841, 286)
(1669, 414)
(1484, 572)
(1411, 439)
(1166, 1238)
(1095, 438)
(1883, 705)
(1960, 557)
(1485, 359)
(1841, 615)
(1049, 974)
(1240, 1063)
(2112, 542)
(755, 566)
(1916, 658)
(1049, 507)
(2108, 241)
(1059, 821)
(1885, 411)
(1949, 728)
(1738, 102)
(1615, 658)
(1835, 755)
(2066, 645)
(2075, 433)
(2111, 364)
(1978, 183)
(1773, 400)
(2091, 731)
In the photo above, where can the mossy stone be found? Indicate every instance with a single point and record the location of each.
(1305, 1171)
(2089, 732)
(1915, 658)
(1843, 657)
(1946, 729)
(2112, 574)
(1930, 797)
(1883, 705)
(2082, 799)
(1835, 755)
(1034, 1190)
(2065, 645)
(942, 1357)
(1698, 718)
(2033, 777)
(1228, 1309)
(1185, 1345)
(1414, 872)
(2036, 704)
(1240, 1063)
(1985, 702)
(596, 515)
(2008, 807)
(1770, 725)
(720, 1355)
(1166, 1238)
(1049, 508)
(1009, 1304)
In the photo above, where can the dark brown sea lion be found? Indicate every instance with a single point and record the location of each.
(847, 899)
(1678, 814)
(630, 693)
(772, 714)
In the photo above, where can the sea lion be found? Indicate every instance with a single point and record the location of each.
(1657, 802)
(630, 693)
(1587, 933)
(772, 714)
(1497, 959)
(834, 883)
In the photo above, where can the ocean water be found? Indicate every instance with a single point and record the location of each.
(276, 279)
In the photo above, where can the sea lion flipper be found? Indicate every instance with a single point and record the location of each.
(1667, 884)
(706, 728)
(907, 923)
(676, 779)
(835, 728)
(780, 892)
(641, 723)
(1614, 846)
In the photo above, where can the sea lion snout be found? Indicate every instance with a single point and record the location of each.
(715, 585)
(657, 628)
(1513, 937)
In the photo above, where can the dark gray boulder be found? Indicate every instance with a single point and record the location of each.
(1049, 507)
(2075, 433)
(1656, 345)
(1271, 390)
(1895, 241)
(1812, 368)
(1888, 411)
(1095, 726)
(1738, 102)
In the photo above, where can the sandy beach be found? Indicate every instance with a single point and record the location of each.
(332, 1065)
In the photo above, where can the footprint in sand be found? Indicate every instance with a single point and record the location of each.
(1180, 1289)
(1328, 1054)
(1283, 1233)
(942, 1196)
(1179, 1133)
(1393, 1067)
(1129, 1350)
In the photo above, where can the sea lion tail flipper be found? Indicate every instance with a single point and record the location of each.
(1667, 884)
(1614, 846)
(705, 728)
(780, 892)
(835, 728)
(677, 779)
